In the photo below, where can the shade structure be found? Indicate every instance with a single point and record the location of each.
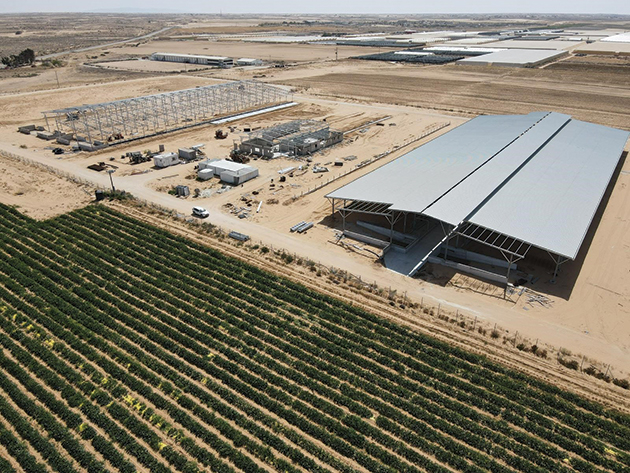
(536, 178)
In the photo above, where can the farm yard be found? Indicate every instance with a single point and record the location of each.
(127, 348)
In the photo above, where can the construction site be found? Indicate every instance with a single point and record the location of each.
(99, 125)
(295, 138)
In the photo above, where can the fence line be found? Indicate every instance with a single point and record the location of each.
(427, 131)
(48, 168)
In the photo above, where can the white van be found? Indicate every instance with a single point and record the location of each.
(200, 212)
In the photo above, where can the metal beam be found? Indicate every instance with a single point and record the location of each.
(142, 116)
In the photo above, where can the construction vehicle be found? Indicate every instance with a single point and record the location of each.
(115, 136)
(137, 157)
(220, 134)
(239, 158)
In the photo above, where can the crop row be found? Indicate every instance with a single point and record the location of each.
(253, 348)
(497, 402)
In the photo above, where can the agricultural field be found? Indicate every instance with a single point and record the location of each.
(126, 348)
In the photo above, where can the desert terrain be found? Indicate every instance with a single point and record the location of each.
(591, 301)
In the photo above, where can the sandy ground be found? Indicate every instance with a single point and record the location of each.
(266, 52)
(146, 65)
(603, 98)
(38, 193)
(28, 107)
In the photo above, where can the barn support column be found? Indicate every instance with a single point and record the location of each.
(558, 261)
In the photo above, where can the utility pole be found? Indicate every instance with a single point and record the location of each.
(57, 77)
(111, 180)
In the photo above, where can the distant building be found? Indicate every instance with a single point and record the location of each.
(244, 61)
(216, 61)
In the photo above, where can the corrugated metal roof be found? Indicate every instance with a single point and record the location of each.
(514, 56)
(462, 200)
(417, 179)
(538, 178)
(552, 200)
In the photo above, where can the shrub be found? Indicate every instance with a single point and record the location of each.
(571, 364)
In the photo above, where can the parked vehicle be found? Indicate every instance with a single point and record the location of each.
(200, 212)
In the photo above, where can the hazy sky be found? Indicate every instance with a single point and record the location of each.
(325, 6)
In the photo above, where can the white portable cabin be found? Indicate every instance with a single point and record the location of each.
(229, 171)
(165, 160)
(239, 177)
(205, 174)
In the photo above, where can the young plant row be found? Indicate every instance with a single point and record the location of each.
(583, 450)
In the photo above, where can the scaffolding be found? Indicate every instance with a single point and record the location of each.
(135, 118)
(297, 137)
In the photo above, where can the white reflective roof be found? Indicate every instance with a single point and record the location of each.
(417, 179)
(552, 200)
(538, 178)
(514, 56)
(464, 198)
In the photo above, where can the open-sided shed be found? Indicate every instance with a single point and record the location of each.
(507, 182)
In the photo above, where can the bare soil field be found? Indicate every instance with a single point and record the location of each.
(28, 106)
(145, 65)
(264, 51)
(47, 33)
(603, 63)
(41, 78)
(499, 92)
(38, 193)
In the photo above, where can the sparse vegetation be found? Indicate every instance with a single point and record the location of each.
(24, 58)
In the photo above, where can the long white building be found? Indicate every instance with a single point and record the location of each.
(217, 61)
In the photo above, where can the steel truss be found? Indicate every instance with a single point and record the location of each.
(372, 208)
(155, 114)
(511, 248)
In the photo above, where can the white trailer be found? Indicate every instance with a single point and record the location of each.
(165, 160)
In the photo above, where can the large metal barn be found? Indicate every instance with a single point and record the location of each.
(501, 183)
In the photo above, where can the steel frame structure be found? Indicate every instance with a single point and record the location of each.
(511, 248)
(161, 113)
(371, 208)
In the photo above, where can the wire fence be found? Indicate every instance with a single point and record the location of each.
(426, 132)
(51, 169)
